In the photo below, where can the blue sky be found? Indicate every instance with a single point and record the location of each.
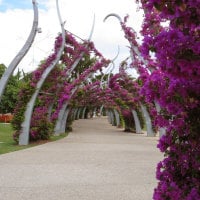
(17, 4)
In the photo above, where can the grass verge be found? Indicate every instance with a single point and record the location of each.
(7, 144)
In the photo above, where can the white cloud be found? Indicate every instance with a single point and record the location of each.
(16, 25)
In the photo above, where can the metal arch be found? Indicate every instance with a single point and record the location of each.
(118, 50)
(137, 52)
(24, 136)
(73, 66)
(113, 15)
(57, 128)
(9, 71)
(134, 48)
(112, 61)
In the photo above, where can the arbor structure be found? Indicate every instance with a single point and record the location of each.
(166, 91)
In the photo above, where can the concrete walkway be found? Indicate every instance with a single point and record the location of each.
(95, 162)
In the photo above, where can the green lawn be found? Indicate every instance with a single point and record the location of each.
(7, 144)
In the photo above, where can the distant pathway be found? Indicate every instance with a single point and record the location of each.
(95, 162)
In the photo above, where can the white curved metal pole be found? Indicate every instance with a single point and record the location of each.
(112, 61)
(112, 118)
(137, 122)
(162, 130)
(113, 15)
(117, 118)
(94, 112)
(57, 128)
(78, 114)
(9, 71)
(147, 117)
(64, 120)
(83, 113)
(109, 116)
(101, 110)
(75, 113)
(24, 136)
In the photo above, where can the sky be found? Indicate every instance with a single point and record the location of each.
(16, 18)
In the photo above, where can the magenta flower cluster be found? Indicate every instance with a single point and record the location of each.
(175, 85)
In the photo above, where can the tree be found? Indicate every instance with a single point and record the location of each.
(10, 95)
(2, 69)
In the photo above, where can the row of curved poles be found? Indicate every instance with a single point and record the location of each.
(146, 115)
(59, 127)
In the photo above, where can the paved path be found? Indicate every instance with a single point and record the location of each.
(95, 162)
